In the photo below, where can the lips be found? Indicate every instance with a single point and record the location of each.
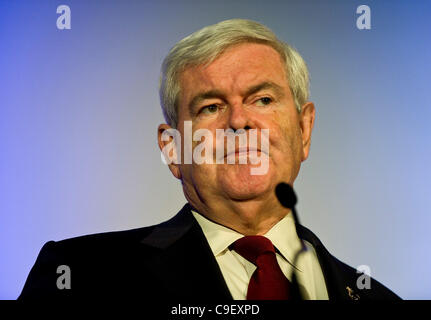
(244, 152)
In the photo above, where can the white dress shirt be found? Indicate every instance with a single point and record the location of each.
(237, 271)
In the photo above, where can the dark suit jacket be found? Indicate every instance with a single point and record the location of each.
(171, 261)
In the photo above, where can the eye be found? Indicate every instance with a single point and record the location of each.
(263, 101)
(211, 109)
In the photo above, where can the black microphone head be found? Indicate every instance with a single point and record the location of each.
(286, 195)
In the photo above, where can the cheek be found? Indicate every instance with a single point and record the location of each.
(279, 132)
(285, 137)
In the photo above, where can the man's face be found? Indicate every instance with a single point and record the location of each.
(244, 88)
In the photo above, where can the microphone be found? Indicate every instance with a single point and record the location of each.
(287, 197)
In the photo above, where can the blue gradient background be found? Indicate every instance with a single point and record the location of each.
(79, 112)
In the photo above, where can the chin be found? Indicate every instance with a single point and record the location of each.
(238, 182)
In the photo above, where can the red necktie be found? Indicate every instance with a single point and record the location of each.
(268, 281)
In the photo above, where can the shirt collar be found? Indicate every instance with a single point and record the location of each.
(282, 235)
(219, 237)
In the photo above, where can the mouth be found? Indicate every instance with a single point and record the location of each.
(241, 152)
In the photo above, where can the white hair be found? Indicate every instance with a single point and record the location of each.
(205, 45)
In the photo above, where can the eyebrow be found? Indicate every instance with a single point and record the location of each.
(210, 94)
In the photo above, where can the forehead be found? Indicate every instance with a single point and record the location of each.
(236, 69)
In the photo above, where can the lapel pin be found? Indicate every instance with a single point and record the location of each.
(352, 294)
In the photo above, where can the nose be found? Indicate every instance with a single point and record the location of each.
(239, 118)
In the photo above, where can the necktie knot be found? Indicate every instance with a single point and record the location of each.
(253, 247)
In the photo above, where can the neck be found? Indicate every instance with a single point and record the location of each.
(248, 217)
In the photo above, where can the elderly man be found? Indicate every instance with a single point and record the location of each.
(233, 239)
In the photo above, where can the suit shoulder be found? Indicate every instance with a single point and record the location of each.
(103, 238)
(115, 237)
(83, 255)
(94, 258)
(341, 278)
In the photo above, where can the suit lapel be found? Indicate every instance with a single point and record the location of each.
(185, 263)
(336, 279)
(187, 269)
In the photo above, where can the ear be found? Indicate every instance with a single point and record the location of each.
(170, 146)
(306, 122)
